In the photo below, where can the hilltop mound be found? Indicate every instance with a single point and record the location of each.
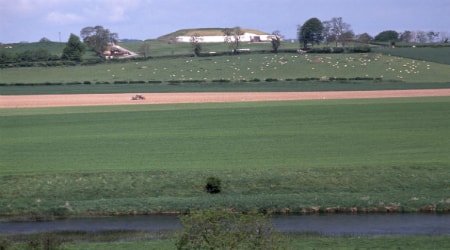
(206, 32)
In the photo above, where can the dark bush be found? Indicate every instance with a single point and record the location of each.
(221, 80)
(91, 61)
(361, 49)
(62, 212)
(338, 50)
(45, 241)
(69, 63)
(73, 83)
(5, 243)
(193, 81)
(138, 81)
(271, 80)
(213, 185)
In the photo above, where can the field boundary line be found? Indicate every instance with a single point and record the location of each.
(31, 101)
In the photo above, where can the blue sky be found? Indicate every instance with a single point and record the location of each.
(30, 20)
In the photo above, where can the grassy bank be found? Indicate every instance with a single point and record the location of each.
(306, 242)
(328, 155)
(292, 242)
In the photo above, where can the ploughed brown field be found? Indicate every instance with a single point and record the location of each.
(28, 101)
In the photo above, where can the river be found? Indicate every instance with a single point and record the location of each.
(330, 225)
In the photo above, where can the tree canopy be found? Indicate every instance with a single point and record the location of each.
(223, 229)
(310, 31)
(97, 38)
(386, 36)
(74, 49)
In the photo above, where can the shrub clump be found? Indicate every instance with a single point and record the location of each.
(213, 185)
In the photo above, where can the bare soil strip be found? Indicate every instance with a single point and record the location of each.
(29, 101)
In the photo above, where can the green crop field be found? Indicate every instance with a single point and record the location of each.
(371, 154)
(439, 55)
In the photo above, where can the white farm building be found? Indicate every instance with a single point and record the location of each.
(246, 37)
(217, 35)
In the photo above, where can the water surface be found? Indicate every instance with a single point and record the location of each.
(331, 225)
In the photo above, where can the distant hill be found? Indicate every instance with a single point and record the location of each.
(127, 40)
(206, 32)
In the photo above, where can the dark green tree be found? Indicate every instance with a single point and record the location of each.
(98, 38)
(364, 38)
(223, 229)
(74, 49)
(386, 36)
(310, 31)
(7, 57)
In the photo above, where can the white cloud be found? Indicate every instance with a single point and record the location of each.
(63, 18)
(111, 10)
(22, 6)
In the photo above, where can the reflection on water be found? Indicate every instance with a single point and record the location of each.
(366, 224)
(332, 225)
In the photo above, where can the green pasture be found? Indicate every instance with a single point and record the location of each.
(271, 156)
(238, 68)
(54, 48)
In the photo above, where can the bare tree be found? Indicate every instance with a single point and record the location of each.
(227, 33)
(406, 36)
(144, 49)
(237, 38)
(444, 36)
(233, 37)
(432, 35)
(195, 41)
(327, 31)
(421, 36)
(339, 28)
(276, 40)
